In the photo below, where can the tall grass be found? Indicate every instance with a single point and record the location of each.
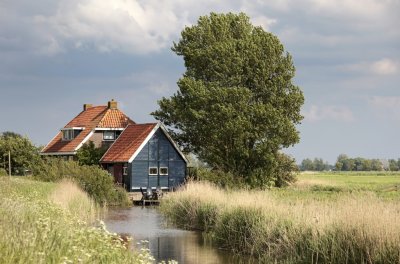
(353, 228)
(70, 197)
(44, 223)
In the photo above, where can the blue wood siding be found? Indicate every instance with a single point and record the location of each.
(158, 152)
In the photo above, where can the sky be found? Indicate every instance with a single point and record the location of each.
(57, 55)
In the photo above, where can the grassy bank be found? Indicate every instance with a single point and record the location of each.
(48, 223)
(315, 221)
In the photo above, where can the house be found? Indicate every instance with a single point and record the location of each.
(145, 155)
(138, 155)
(100, 124)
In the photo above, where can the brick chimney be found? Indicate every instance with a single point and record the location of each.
(87, 106)
(112, 104)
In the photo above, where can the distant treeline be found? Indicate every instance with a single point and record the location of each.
(346, 163)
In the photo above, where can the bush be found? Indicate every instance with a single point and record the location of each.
(3, 172)
(93, 179)
(219, 178)
(280, 174)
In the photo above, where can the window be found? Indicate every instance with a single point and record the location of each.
(153, 171)
(68, 134)
(163, 170)
(125, 170)
(109, 135)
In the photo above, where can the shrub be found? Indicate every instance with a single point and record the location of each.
(219, 178)
(3, 172)
(92, 179)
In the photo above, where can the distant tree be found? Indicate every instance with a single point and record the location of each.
(376, 165)
(338, 165)
(307, 165)
(393, 165)
(89, 154)
(367, 165)
(236, 106)
(24, 154)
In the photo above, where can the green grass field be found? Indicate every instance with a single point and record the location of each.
(372, 181)
(331, 184)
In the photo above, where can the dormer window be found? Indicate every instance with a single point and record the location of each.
(69, 134)
(109, 135)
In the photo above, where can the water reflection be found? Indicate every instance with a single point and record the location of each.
(165, 243)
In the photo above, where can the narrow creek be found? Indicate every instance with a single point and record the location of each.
(165, 243)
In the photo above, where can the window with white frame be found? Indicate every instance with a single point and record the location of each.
(108, 135)
(125, 169)
(163, 170)
(153, 171)
(68, 134)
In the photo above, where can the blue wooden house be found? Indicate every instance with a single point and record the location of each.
(144, 155)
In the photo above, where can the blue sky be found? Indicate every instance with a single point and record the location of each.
(57, 55)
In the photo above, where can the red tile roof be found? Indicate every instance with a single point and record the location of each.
(93, 117)
(128, 143)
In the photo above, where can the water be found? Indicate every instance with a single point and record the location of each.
(165, 243)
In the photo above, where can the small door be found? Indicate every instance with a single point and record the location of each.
(118, 173)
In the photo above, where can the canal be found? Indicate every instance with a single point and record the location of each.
(165, 242)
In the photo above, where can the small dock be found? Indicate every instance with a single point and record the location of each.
(137, 199)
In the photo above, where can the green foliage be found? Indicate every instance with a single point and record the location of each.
(24, 155)
(236, 106)
(89, 154)
(345, 163)
(93, 179)
(219, 178)
(314, 165)
(3, 172)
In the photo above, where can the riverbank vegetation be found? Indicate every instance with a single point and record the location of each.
(43, 222)
(316, 220)
(92, 179)
(25, 159)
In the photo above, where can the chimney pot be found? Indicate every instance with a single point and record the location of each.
(112, 104)
(87, 106)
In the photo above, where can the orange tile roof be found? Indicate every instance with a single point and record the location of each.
(97, 116)
(127, 143)
(114, 118)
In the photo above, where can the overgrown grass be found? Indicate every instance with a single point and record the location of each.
(45, 223)
(341, 227)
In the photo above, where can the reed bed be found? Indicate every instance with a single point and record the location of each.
(352, 228)
(46, 223)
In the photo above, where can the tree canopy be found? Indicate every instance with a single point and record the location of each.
(236, 105)
(89, 154)
(24, 154)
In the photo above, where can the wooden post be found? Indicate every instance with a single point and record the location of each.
(9, 163)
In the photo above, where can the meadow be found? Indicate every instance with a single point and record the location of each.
(43, 222)
(322, 218)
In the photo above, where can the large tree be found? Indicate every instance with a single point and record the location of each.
(236, 106)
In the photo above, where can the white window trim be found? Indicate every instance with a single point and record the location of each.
(164, 168)
(108, 139)
(125, 170)
(70, 134)
(153, 173)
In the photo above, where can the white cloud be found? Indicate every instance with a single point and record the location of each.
(264, 22)
(385, 67)
(328, 112)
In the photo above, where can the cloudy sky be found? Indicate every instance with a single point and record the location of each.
(57, 55)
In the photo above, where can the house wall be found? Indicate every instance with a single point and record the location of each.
(98, 141)
(158, 152)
